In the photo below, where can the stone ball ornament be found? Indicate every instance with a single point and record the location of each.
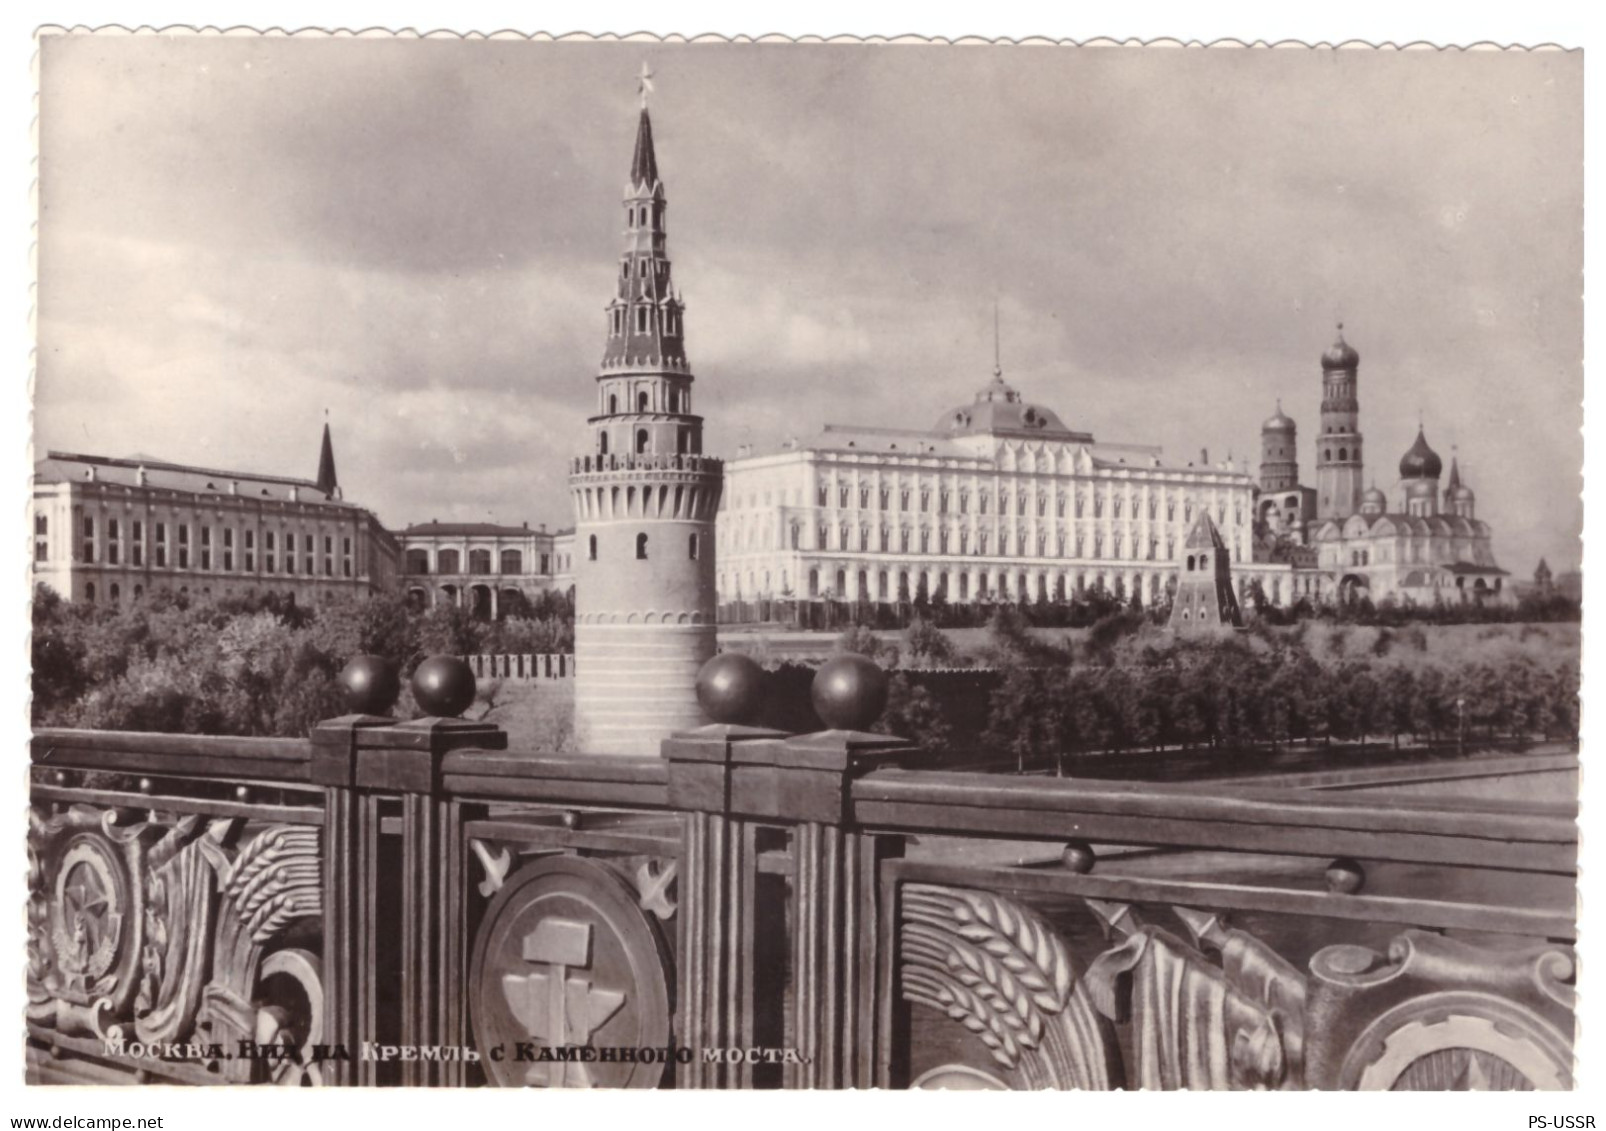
(1345, 876)
(372, 685)
(849, 692)
(730, 688)
(443, 686)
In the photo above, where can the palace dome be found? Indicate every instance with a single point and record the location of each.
(998, 407)
(1341, 355)
(1372, 497)
(1421, 462)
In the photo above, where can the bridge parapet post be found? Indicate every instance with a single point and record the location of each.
(758, 803)
(394, 859)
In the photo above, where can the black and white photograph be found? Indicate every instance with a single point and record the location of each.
(677, 563)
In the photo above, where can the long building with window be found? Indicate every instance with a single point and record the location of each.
(998, 500)
(111, 531)
(492, 570)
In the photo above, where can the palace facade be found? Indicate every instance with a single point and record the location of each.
(999, 499)
(110, 531)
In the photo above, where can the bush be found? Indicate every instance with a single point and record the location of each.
(926, 645)
(860, 640)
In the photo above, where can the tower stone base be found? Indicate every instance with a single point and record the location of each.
(636, 684)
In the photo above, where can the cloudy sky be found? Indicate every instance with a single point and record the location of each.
(419, 236)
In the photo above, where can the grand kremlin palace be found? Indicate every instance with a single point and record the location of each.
(999, 499)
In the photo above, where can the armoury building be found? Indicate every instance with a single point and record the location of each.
(112, 531)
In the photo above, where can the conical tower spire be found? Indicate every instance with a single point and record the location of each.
(328, 482)
(645, 327)
(644, 166)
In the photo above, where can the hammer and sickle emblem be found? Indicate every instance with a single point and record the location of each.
(555, 1005)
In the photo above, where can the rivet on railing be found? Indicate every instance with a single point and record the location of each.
(146, 785)
(59, 777)
(142, 1076)
(1078, 857)
(849, 692)
(443, 686)
(372, 685)
(571, 818)
(242, 793)
(1345, 876)
(730, 688)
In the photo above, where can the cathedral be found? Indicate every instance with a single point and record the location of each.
(1421, 545)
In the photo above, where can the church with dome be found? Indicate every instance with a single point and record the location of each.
(1419, 544)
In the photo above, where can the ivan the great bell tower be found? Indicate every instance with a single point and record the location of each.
(645, 499)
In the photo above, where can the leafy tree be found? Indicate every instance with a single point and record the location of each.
(860, 640)
(927, 645)
(914, 713)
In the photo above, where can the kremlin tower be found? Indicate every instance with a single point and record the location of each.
(645, 499)
(1338, 453)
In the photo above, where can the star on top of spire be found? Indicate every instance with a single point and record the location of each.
(644, 85)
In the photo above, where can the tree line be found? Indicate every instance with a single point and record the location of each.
(1127, 689)
(246, 665)
(1084, 608)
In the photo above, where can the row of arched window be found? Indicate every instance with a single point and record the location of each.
(672, 400)
(646, 315)
(643, 441)
(161, 545)
(450, 561)
(1120, 506)
(910, 541)
(693, 547)
(902, 587)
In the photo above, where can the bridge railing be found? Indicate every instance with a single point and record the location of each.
(411, 903)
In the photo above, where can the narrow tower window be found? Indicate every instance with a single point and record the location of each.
(641, 440)
(641, 547)
(613, 404)
(591, 548)
(602, 442)
(641, 401)
(691, 547)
